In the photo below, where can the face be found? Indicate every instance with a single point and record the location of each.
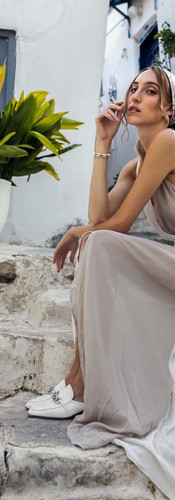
(143, 104)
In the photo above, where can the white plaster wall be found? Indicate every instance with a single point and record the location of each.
(141, 24)
(60, 48)
(121, 60)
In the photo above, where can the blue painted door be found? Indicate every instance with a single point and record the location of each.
(8, 52)
(149, 49)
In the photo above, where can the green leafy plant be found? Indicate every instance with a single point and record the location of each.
(167, 40)
(30, 133)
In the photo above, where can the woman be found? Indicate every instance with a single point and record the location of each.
(123, 293)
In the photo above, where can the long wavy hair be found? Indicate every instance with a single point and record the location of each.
(165, 93)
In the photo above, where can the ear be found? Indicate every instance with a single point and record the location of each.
(168, 110)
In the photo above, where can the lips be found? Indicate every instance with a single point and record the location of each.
(134, 109)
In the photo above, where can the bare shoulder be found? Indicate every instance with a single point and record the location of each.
(164, 139)
(161, 154)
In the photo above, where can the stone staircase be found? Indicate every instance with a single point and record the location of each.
(37, 461)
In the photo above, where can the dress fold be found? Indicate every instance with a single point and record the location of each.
(123, 303)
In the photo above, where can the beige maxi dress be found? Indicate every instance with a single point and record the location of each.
(123, 302)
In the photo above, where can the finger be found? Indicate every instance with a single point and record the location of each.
(112, 114)
(120, 103)
(55, 254)
(59, 266)
(72, 255)
(104, 115)
(57, 261)
(109, 114)
(116, 105)
(116, 109)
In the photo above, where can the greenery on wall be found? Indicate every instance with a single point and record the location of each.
(167, 40)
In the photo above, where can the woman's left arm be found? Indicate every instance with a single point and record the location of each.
(158, 163)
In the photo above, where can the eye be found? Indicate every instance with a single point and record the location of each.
(132, 90)
(151, 92)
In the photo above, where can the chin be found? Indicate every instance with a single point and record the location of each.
(132, 120)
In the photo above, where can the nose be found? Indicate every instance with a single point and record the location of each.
(137, 95)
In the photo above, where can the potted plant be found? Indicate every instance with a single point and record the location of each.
(29, 136)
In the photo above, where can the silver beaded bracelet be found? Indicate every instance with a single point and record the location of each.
(102, 155)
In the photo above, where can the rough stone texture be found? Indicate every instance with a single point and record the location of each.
(50, 307)
(36, 277)
(41, 463)
(36, 341)
(7, 270)
(34, 363)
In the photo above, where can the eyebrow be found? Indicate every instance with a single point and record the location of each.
(147, 83)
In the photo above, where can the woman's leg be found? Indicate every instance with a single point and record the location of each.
(75, 378)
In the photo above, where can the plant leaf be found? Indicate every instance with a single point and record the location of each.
(26, 162)
(57, 135)
(6, 117)
(27, 146)
(22, 120)
(73, 146)
(45, 110)
(12, 152)
(36, 167)
(2, 74)
(6, 138)
(21, 99)
(48, 123)
(70, 124)
(44, 141)
(40, 96)
(62, 151)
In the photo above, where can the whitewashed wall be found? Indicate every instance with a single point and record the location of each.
(60, 48)
(141, 24)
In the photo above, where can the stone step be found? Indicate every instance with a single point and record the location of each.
(37, 461)
(34, 362)
(36, 340)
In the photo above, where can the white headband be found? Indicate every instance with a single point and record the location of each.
(171, 79)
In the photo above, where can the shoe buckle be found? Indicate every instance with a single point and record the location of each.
(56, 397)
(51, 390)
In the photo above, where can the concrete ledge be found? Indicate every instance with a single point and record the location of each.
(41, 463)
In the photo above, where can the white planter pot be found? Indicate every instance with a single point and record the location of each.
(5, 187)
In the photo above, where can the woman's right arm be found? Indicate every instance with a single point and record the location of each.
(107, 125)
(102, 204)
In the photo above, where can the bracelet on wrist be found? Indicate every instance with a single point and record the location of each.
(101, 155)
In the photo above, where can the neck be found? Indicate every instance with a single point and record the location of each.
(147, 134)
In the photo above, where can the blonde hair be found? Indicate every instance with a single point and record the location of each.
(165, 93)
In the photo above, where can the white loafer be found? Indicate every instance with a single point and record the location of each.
(41, 399)
(59, 406)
